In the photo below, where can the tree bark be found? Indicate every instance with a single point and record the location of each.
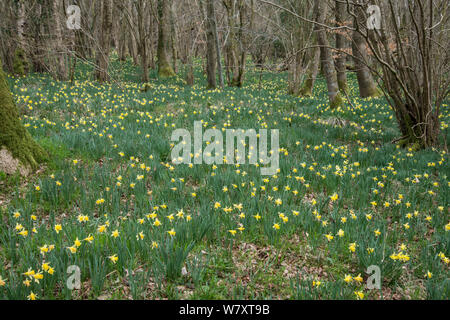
(173, 39)
(367, 86)
(341, 46)
(38, 52)
(217, 43)
(326, 56)
(105, 41)
(243, 35)
(20, 24)
(18, 151)
(122, 36)
(165, 70)
(61, 71)
(235, 48)
(210, 46)
(313, 69)
(132, 41)
(142, 30)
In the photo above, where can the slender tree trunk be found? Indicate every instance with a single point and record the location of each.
(133, 50)
(296, 67)
(61, 66)
(115, 33)
(189, 71)
(143, 48)
(232, 52)
(313, 69)
(38, 52)
(307, 63)
(18, 151)
(132, 41)
(210, 46)
(326, 56)
(104, 43)
(144, 61)
(243, 35)
(173, 39)
(81, 44)
(217, 43)
(20, 24)
(122, 37)
(367, 86)
(341, 45)
(165, 70)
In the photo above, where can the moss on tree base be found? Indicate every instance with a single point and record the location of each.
(407, 143)
(343, 86)
(306, 90)
(146, 87)
(374, 92)
(411, 142)
(235, 83)
(20, 64)
(165, 71)
(338, 101)
(14, 138)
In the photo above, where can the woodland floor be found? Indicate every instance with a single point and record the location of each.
(345, 198)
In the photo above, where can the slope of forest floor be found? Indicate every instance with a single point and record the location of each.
(111, 202)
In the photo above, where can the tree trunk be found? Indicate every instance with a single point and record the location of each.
(217, 44)
(313, 69)
(132, 41)
(20, 24)
(210, 46)
(122, 37)
(189, 68)
(165, 70)
(341, 45)
(142, 30)
(244, 35)
(105, 42)
(61, 71)
(38, 54)
(173, 39)
(235, 52)
(326, 56)
(296, 67)
(18, 151)
(367, 86)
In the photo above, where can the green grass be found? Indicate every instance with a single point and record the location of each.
(110, 161)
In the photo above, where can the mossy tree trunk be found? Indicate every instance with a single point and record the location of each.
(165, 70)
(18, 151)
(21, 65)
